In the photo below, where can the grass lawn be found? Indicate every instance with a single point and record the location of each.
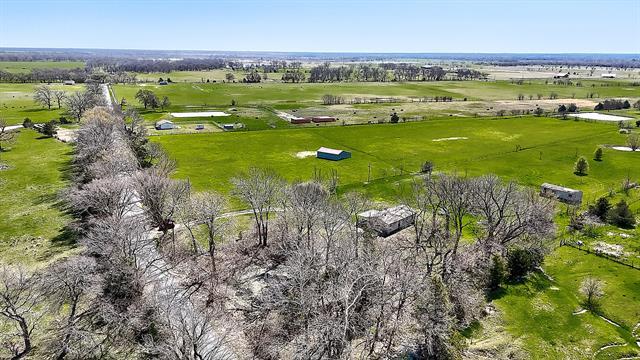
(26, 66)
(548, 151)
(539, 312)
(16, 103)
(31, 222)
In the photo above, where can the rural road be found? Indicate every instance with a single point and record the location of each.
(13, 127)
(107, 96)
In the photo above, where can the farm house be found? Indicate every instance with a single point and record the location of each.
(332, 154)
(165, 125)
(387, 222)
(562, 194)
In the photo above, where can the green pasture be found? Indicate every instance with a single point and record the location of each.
(16, 103)
(539, 312)
(31, 221)
(27, 66)
(547, 149)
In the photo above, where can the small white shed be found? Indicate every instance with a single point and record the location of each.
(562, 194)
(388, 221)
(165, 125)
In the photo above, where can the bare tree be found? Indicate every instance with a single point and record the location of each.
(633, 140)
(44, 96)
(6, 136)
(20, 301)
(59, 96)
(261, 189)
(591, 288)
(71, 287)
(78, 103)
(206, 208)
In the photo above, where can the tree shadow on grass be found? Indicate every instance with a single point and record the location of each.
(534, 282)
(579, 174)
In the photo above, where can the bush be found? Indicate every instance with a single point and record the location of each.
(427, 167)
(497, 273)
(50, 128)
(597, 155)
(523, 261)
(601, 208)
(582, 166)
(621, 215)
(562, 109)
(538, 111)
(64, 120)
(27, 123)
(395, 118)
(572, 108)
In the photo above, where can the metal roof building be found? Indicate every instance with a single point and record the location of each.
(164, 125)
(387, 222)
(562, 194)
(332, 154)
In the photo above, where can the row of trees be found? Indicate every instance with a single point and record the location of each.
(150, 100)
(380, 73)
(613, 104)
(76, 103)
(45, 75)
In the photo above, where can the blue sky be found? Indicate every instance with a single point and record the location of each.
(560, 26)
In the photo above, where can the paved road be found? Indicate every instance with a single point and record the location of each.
(107, 96)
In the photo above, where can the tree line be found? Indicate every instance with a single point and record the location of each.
(307, 283)
(381, 73)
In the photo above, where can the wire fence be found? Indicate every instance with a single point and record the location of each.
(628, 263)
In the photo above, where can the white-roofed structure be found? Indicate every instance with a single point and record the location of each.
(562, 194)
(388, 221)
(608, 76)
(332, 154)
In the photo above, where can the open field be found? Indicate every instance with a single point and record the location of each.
(31, 222)
(27, 66)
(539, 313)
(470, 98)
(549, 149)
(16, 103)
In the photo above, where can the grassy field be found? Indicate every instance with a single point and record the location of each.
(16, 103)
(539, 313)
(31, 222)
(471, 98)
(27, 66)
(549, 149)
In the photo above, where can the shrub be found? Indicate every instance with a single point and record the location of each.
(597, 155)
(600, 208)
(582, 166)
(572, 108)
(395, 118)
(427, 167)
(27, 123)
(50, 128)
(621, 215)
(523, 261)
(538, 111)
(562, 109)
(497, 273)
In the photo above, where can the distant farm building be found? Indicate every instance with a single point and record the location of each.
(165, 125)
(321, 119)
(227, 127)
(300, 120)
(163, 82)
(199, 127)
(562, 194)
(69, 82)
(608, 76)
(332, 154)
(560, 75)
(387, 222)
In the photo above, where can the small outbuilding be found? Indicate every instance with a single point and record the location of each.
(200, 127)
(562, 194)
(332, 154)
(69, 82)
(163, 82)
(300, 120)
(388, 221)
(560, 75)
(165, 125)
(321, 119)
(608, 76)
